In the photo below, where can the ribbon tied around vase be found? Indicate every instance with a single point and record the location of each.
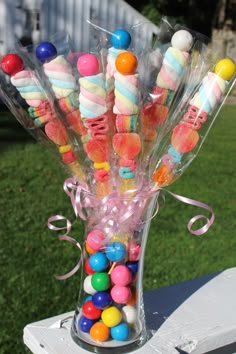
(114, 213)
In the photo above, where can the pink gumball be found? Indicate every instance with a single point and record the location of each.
(121, 275)
(134, 250)
(120, 294)
(95, 238)
(88, 65)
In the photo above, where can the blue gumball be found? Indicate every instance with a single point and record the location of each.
(98, 262)
(102, 299)
(120, 39)
(120, 332)
(133, 266)
(45, 52)
(115, 251)
(85, 324)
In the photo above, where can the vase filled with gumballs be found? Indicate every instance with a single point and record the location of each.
(110, 311)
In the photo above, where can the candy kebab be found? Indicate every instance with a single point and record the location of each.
(93, 109)
(63, 83)
(40, 110)
(120, 41)
(126, 142)
(188, 135)
(154, 113)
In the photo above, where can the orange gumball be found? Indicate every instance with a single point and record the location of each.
(89, 249)
(100, 332)
(133, 298)
(126, 63)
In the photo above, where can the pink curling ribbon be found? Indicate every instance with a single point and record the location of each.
(114, 213)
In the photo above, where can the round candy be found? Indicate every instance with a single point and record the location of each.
(88, 65)
(225, 68)
(95, 238)
(120, 294)
(100, 332)
(115, 251)
(102, 299)
(120, 332)
(100, 281)
(111, 316)
(98, 262)
(45, 51)
(133, 299)
(85, 324)
(88, 288)
(129, 314)
(133, 266)
(89, 249)
(89, 297)
(90, 311)
(134, 250)
(120, 39)
(12, 64)
(121, 275)
(126, 63)
(87, 267)
(182, 40)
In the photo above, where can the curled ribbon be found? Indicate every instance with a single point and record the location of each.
(111, 213)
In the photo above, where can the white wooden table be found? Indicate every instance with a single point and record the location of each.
(196, 316)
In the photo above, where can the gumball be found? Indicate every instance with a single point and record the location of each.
(133, 266)
(85, 324)
(115, 251)
(95, 238)
(102, 299)
(121, 275)
(12, 64)
(89, 249)
(134, 250)
(126, 63)
(98, 262)
(87, 267)
(129, 314)
(87, 298)
(88, 65)
(120, 294)
(133, 299)
(111, 316)
(120, 332)
(120, 39)
(100, 281)
(225, 69)
(90, 311)
(88, 288)
(45, 52)
(100, 332)
(182, 40)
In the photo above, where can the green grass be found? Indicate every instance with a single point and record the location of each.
(31, 190)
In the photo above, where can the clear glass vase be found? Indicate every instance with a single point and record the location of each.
(110, 311)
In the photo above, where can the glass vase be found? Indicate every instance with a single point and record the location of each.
(110, 310)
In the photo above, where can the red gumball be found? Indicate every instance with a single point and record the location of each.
(90, 311)
(12, 64)
(87, 267)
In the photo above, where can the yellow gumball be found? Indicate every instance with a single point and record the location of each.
(111, 316)
(225, 69)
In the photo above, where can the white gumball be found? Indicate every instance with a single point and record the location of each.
(129, 314)
(88, 288)
(182, 40)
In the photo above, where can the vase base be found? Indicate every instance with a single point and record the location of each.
(105, 347)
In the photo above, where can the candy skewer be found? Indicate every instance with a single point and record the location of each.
(188, 135)
(154, 113)
(40, 109)
(126, 142)
(92, 100)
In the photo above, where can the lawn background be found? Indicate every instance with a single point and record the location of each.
(30, 255)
